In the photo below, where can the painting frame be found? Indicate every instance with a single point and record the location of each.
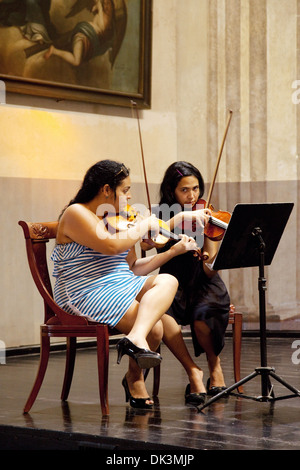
(81, 93)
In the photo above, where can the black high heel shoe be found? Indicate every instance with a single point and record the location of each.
(195, 399)
(135, 402)
(212, 391)
(144, 358)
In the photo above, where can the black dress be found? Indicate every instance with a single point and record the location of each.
(198, 298)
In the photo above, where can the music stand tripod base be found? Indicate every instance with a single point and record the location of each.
(251, 239)
(267, 396)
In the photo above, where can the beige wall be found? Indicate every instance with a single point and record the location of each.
(209, 56)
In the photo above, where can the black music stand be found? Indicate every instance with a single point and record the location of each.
(251, 239)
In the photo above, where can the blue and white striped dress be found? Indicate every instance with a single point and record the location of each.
(100, 287)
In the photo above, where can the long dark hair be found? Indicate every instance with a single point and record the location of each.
(101, 173)
(172, 176)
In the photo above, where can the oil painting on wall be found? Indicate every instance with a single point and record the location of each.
(86, 50)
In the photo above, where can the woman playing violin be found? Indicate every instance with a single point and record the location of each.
(98, 275)
(202, 300)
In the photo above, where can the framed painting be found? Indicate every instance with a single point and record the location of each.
(96, 51)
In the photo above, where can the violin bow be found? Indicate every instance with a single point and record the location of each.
(134, 106)
(163, 231)
(218, 161)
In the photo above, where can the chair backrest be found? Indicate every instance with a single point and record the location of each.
(37, 235)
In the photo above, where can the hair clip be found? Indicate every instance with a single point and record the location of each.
(179, 172)
(123, 170)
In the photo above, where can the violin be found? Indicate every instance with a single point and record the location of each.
(217, 223)
(128, 217)
(121, 221)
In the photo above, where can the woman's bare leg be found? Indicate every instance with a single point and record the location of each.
(142, 325)
(173, 339)
(134, 375)
(154, 300)
(204, 338)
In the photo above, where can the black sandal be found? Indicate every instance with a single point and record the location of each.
(135, 402)
(213, 391)
(195, 399)
(144, 358)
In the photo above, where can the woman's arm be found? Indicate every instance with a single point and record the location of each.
(200, 216)
(146, 265)
(188, 217)
(80, 225)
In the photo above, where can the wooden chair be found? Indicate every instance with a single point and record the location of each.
(58, 323)
(236, 320)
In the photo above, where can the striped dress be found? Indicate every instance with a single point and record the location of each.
(100, 287)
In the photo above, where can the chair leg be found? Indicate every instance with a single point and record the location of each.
(156, 381)
(237, 347)
(102, 357)
(156, 377)
(44, 357)
(70, 361)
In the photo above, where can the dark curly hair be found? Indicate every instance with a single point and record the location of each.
(101, 173)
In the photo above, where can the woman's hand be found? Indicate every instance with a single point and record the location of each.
(185, 244)
(200, 216)
(153, 226)
(144, 227)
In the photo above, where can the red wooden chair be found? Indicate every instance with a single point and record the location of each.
(58, 323)
(236, 320)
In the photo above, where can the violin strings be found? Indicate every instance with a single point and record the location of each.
(218, 223)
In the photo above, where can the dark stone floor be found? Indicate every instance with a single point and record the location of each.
(232, 423)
